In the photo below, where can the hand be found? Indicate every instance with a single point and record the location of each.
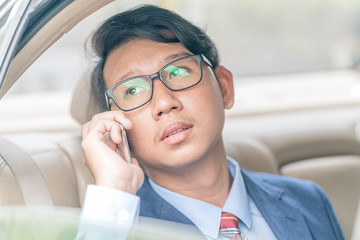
(100, 138)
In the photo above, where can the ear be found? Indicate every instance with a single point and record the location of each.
(225, 79)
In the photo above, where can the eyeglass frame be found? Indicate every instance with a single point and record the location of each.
(198, 57)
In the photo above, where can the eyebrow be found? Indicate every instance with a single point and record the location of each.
(166, 60)
(176, 56)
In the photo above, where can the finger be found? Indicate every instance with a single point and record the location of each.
(117, 116)
(120, 118)
(115, 134)
(100, 127)
(139, 171)
(135, 162)
(85, 130)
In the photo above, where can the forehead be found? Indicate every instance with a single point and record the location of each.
(139, 57)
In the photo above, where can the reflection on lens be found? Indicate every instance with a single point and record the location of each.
(132, 93)
(182, 74)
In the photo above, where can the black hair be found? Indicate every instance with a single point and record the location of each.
(148, 22)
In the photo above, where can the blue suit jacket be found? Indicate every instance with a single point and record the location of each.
(294, 209)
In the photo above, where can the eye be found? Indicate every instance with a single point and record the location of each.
(175, 71)
(133, 90)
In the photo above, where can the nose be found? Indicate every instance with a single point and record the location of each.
(164, 100)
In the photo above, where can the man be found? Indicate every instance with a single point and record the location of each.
(164, 84)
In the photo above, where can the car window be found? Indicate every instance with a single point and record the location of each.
(283, 54)
(11, 24)
(252, 38)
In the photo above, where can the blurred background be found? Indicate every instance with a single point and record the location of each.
(283, 54)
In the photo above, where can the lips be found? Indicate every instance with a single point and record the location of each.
(173, 129)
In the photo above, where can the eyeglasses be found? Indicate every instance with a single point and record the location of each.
(177, 75)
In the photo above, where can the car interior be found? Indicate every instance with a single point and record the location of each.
(317, 143)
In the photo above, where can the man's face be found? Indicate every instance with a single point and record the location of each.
(176, 128)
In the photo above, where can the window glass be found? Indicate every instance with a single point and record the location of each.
(253, 38)
(10, 25)
(284, 55)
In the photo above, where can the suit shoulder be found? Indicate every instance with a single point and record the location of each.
(302, 195)
(289, 185)
(274, 178)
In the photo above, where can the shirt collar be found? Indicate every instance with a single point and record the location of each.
(237, 201)
(207, 216)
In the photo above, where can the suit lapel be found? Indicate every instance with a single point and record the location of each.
(152, 205)
(285, 221)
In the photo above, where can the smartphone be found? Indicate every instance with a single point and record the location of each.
(124, 146)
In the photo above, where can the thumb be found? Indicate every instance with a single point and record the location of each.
(139, 172)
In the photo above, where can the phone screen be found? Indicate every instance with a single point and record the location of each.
(124, 146)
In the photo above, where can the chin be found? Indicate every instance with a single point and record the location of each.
(173, 161)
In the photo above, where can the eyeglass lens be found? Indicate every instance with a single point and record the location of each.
(177, 75)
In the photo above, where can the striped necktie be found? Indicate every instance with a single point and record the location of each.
(229, 227)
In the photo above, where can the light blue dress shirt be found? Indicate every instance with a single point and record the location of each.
(207, 216)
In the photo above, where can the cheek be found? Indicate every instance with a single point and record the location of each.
(140, 135)
(211, 108)
(210, 97)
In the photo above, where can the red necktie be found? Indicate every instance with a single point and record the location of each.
(229, 226)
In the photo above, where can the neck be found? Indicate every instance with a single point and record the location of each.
(212, 187)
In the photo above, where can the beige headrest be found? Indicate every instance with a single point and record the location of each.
(83, 103)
